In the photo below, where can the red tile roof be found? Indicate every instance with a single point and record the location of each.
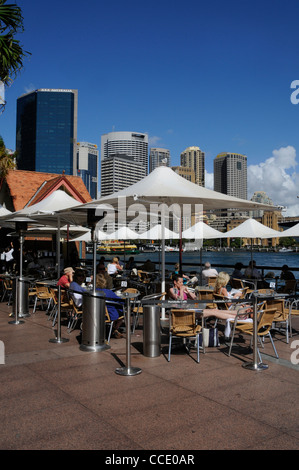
(26, 185)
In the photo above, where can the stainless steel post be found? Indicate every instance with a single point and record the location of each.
(128, 369)
(58, 338)
(16, 321)
(255, 365)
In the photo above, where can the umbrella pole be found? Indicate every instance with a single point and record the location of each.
(94, 264)
(180, 248)
(163, 317)
(58, 247)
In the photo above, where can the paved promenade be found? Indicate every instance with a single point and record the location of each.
(55, 396)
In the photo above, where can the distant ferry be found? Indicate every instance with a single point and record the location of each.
(285, 250)
(117, 247)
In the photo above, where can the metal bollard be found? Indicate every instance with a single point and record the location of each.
(151, 331)
(93, 324)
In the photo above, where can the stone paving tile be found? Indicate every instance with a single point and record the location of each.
(56, 396)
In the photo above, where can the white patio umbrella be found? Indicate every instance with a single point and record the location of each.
(251, 228)
(201, 231)
(289, 232)
(56, 201)
(156, 233)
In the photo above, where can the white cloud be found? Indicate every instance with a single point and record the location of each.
(276, 176)
(154, 140)
(30, 88)
(209, 180)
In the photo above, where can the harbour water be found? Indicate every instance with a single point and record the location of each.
(266, 261)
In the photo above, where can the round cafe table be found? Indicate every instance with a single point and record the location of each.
(128, 370)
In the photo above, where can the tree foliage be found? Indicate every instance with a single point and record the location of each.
(7, 160)
(12, 54)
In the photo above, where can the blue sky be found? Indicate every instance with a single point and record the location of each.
(215, 74)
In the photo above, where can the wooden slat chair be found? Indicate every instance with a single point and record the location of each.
(183, 325)
(263, 328)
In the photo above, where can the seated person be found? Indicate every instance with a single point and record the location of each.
(289, 278)
(176, 271)
(66, 278)
(237, 273)
(251, 272)
(114, 267)
(148, 266)
(102, 270)
(34, 266)
(179, 291)
(131, 263)
(114, 310)
(208, 271)
(220, 287)
(76, 285)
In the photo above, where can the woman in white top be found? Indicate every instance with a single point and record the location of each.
(114, 267)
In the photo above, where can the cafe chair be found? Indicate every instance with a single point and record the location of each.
(7, 285)
(65, 304)
(293, 311)
(42, 294)
(183, 325)
(264, 327)
(75, 315)
(108, 320)
(212, 281)
(281, 316)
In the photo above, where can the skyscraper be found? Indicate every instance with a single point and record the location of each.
(119, 172)
(230, 177)
(194, 158)
(46, 133)
(158, 157)
(119, 152)
(230, 174)
(87, 166)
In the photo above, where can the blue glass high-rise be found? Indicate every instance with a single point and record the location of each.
(46, 133)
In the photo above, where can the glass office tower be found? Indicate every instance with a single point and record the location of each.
(46, 133)
(87, 166)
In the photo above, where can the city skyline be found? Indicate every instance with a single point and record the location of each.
(216, 75)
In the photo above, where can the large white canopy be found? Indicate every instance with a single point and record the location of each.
(164, 185)
(156, 233)
(201, 231)
(290, 232)
(58, 200)
(251, 228)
